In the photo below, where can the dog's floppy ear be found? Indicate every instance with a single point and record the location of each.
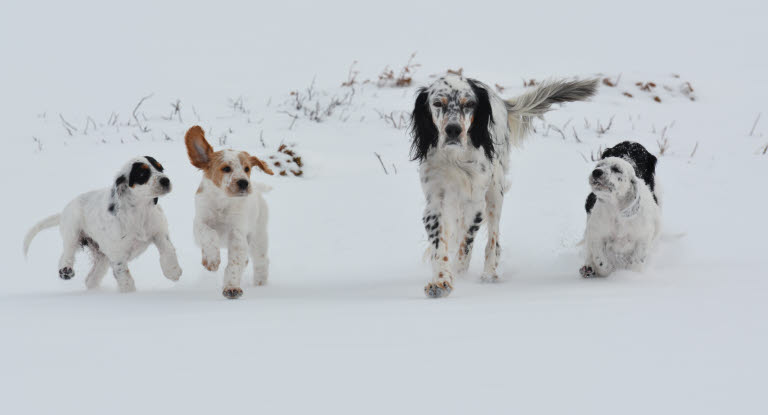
(257, 162)
(199, 151)
(423, 129)
(120, 187)
(482, 120)
(649, 175)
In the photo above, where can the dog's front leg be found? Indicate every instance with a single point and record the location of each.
(472, 218)
(494, 201)
(435, 221)
(601, 265)
(208, 240)
(237, 259)
(123, 276)
(169, 263)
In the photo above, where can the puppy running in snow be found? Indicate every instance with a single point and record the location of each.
(116, 224)
(229, 211)
(624, 221)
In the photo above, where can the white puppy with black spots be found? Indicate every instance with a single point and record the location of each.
(117, 224)
(624, 222)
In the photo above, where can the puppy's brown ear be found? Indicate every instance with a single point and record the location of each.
(255, 161)
(199, 151)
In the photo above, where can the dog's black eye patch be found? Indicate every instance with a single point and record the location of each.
(616, 170)
(140, 174)
(154, 163)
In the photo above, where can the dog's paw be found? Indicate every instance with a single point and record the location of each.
(232, 293)
(438, 289)
(587, 272)
(212, 261)
(489, 278)
(171, 270)
(66, 273)
(174, 273)
(259, 282)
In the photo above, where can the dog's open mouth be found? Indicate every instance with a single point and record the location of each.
(600, 187)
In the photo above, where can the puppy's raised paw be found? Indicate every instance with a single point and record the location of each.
(66, 273)
(587, 272)
(211, 262)
(232, 293)
(438, 289)
(489, 278)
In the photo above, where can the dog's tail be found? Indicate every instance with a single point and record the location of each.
(521, 110)
(46, 223)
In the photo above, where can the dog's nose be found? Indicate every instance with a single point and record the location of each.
(597, 173)
(453, 131)
(165, 182)
(242, 184)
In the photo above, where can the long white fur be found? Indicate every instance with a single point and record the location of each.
(624, 223)
(122, 234)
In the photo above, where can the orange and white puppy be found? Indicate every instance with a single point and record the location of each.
(229, 211)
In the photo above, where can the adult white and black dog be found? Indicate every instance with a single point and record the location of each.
(624, 220)
(117, 224)
(462, 134)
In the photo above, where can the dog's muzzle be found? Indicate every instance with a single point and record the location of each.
(452, 133)
(165, 185)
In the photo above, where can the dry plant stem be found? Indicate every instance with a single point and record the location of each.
(382, 163)
(752, 131)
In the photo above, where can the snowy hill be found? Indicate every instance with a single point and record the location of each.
(343, 325)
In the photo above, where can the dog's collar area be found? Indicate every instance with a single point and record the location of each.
(633, 207)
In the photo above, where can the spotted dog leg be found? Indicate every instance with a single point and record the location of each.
(600, 265)
(208, 238)
(494, 199)
(258, 245)
(123, 276)
(237, 259)
(70, 243)
(473, 218)
(442, 278)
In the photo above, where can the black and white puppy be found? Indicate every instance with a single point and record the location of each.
(462, 133)
(624, 222)
(641, 160)
(117, 224)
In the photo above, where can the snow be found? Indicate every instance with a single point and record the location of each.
(343, 325)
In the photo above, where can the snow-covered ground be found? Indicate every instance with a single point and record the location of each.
(343, 325)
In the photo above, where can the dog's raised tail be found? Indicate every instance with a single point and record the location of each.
(522, 109)
(46, 223)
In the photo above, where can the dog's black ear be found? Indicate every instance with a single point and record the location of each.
(482, 120)
(649, 176)
(591, 200)
(423, 129)
(121, 183)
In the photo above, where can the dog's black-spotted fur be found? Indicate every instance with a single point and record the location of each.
(424, 130)
(140, 174)
(643, 162)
